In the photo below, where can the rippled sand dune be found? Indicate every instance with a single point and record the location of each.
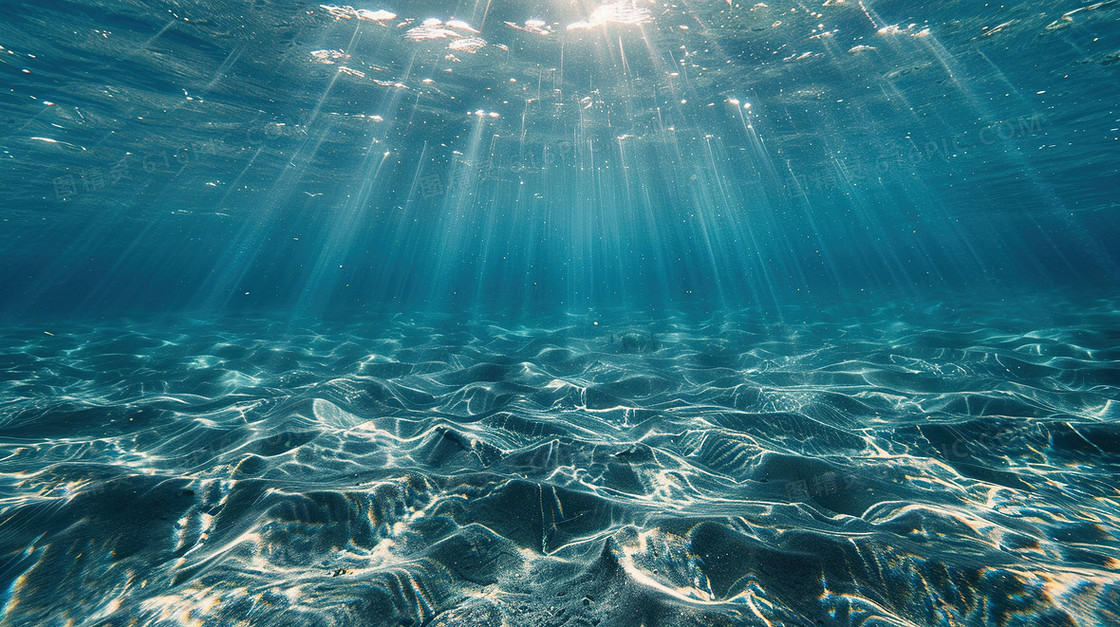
(930, 464)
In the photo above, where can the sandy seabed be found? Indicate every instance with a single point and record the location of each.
(903, 465)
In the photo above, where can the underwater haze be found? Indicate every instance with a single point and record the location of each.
(559, 312)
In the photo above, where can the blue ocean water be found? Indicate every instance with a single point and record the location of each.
(593, 312)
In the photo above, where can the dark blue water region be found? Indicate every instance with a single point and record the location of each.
(123, 268)
(920, 463)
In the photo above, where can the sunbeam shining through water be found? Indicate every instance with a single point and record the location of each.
(559, 312)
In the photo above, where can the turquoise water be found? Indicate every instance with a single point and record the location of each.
(559, 313)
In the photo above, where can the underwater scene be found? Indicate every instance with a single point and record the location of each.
(629, 313)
